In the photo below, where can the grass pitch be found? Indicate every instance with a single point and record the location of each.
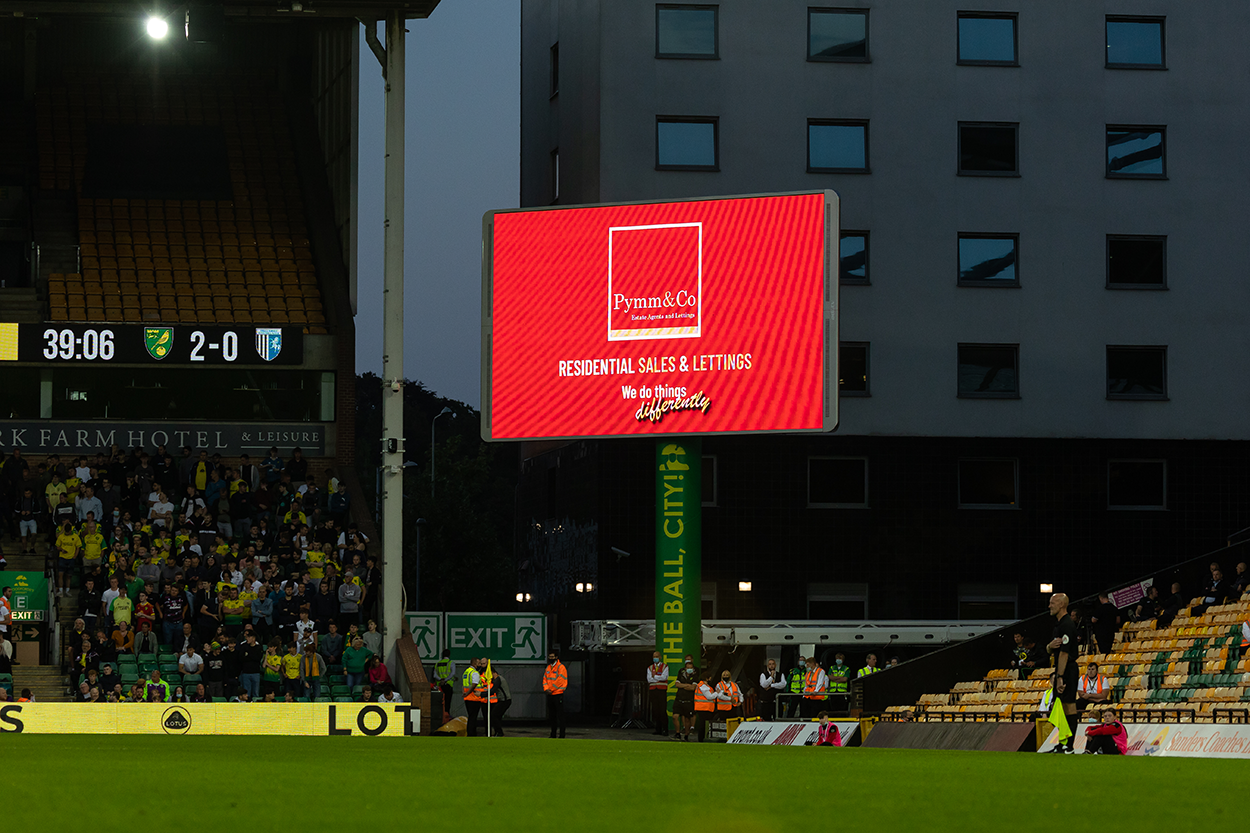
(128, 783)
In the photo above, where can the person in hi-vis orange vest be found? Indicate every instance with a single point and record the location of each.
(1245, 636)
(815, 684)
(657, 692)
(555, 681)
(705, 698)
(730, 702)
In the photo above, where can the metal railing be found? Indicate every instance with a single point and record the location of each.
(639, 634)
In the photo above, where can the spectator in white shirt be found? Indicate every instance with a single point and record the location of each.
(162, 511)
(190, 662)
(771, 682)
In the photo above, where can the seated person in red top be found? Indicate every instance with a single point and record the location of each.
(378, 674)
(827, 733)
(1107, 737)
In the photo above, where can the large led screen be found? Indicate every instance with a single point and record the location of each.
(696, 317)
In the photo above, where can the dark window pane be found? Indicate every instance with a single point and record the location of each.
(1137, 372)
(1137, 483)
(853, 368)
(987, 149)
(1135, 42)
(987, 260)
(853, 258)
(833, 611)
(987, 482)
(837, 147)
(1136, 261)
(1135, 151)
(837, 35)
(987, 40)
(707, 609)
(836, 481)
(685, 32)
(707, 480)
(988, 370)
(988, 611)
(686, 144)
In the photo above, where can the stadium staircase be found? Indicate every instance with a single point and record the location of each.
(46, 682)
(20, 305)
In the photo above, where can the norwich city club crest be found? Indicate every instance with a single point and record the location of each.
(158, 340)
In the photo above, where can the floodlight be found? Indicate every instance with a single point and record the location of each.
(744, 587)
(1046, 588)
(157, 28)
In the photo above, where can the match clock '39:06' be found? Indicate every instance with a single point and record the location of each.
(146, 344)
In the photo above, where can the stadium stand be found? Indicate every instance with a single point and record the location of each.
(246, 259)
(1190, 671)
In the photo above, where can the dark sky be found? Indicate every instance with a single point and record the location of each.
(463, 141)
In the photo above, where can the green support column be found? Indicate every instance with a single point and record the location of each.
(678, 560)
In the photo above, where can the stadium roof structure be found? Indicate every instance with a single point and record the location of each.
(272, 9)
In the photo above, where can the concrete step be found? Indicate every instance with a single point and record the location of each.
(46, 682)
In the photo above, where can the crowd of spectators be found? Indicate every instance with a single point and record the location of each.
(250, 574)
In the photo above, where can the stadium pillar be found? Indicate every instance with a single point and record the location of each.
(393, 69)
(678, 556)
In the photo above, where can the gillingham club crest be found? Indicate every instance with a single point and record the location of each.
(268, 342)
(159, 341)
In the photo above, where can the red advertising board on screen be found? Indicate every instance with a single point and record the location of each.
(695, 317)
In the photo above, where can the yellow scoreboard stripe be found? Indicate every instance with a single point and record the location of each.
(8, 342)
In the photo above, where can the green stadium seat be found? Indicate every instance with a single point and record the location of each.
(191, 679)
(343, 700)
(168, 657)
(168, 667)
(325, 699)
(340, 691)
(357, 690)
(220, 700)
(167, 649)
(149, 658)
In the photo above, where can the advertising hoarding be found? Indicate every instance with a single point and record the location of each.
(759, 733)
(312, 719)
(701, 316)
(1183, 740)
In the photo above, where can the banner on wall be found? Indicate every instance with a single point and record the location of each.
(310, 719)
(29, 601)
(1185, 740)
(759, 733)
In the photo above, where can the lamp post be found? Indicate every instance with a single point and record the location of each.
(434, 422)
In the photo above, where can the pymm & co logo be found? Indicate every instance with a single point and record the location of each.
(655, 281)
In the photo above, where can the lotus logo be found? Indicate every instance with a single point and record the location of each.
(176, 721)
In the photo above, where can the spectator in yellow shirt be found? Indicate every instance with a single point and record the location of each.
(291, 682)
(68, 545)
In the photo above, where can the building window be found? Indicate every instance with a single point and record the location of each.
(853, 257)
(837, 482)
(988, 39)
(686, 32)
(837, 602)
(1136, 152)
(989, 260)
(708, 600)
(686, 144)
(987, 602)
(707, 480)
(1137, 372)
(989, 371)
(837, 147)
(837, 35)
(555, 68)
(1135, 43)
(853, 368)
(555, 175)
(988, 484)
(988, 149)
(1136, 262)
(1137, 484)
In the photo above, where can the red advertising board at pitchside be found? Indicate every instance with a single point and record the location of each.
(695, 317)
